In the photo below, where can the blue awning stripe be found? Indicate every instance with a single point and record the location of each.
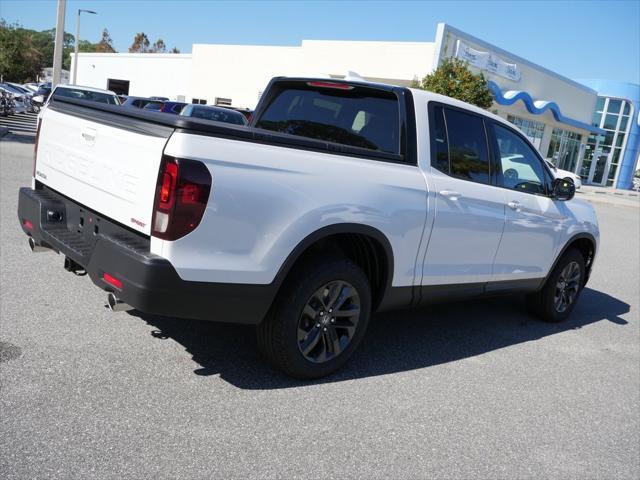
(538, 107)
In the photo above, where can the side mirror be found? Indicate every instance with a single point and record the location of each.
(563, 189)
(38, 100)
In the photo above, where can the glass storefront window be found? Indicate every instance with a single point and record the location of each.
(603, 153)
(596, 119)
(532, 130)
(610, 122)
(623, 124)
(564, 148)
(616, 155)
(608, 138)
(614, 106)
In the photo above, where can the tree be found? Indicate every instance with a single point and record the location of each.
(45, 42)
(174, 50)
(159, 46)
(454, 79)
(105, 45)
(20, 58)
(85, 46)
(140, 43)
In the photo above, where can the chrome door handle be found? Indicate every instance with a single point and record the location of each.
(452, 194)
(514, 205)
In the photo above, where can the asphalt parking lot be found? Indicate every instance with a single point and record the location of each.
(468, 390)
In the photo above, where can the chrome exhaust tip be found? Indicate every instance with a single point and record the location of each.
(116, 305)
(35, 248)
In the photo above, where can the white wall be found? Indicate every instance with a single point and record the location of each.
(241, 72)
(149, 74)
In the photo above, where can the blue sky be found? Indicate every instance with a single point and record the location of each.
(579, 39)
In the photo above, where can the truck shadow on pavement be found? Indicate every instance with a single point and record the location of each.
(395, 341)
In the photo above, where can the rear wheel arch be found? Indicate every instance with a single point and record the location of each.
(366, 246)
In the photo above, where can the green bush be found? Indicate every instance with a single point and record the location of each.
(454, 79)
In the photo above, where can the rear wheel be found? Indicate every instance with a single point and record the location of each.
(558, 297)
(319, 318)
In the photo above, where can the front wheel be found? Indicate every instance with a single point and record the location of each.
(319, 318)
(557, 298)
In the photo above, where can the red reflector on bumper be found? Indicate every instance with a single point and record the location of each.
(27, 224)
(112, 280)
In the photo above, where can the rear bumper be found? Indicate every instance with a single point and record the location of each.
(150, 284)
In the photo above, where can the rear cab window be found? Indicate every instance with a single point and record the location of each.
(351, 115)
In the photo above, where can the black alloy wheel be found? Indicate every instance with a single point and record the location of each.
(558, 296)
(567, 287)
(328, 321)
(318, 319)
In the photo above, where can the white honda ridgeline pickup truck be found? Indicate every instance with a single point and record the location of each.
(341, 198)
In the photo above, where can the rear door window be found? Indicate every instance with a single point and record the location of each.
(351, 115)
(468, 151)
(440, 144)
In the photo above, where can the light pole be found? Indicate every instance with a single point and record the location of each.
(59, 47)
(75, 57)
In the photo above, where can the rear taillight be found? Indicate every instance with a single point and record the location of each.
(182, 193)
(35, 147)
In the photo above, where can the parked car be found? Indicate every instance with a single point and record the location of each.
(162, 99)
(7, 105)
(172, 107)
(136, 102)
(248, 113)
(42, 95)
(86, 93)
(217, 114)
(31, 86)
(20, 100)
(559, 173)
(28, 95)
(321, 212)
(154, 106)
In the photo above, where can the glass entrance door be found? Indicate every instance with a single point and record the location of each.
(598, 168)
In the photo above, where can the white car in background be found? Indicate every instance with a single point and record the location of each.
(559, 173)
(79, 93)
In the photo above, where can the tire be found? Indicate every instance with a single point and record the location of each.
(560, 293)
(295, 322)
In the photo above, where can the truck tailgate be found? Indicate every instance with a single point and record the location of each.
(107, 164)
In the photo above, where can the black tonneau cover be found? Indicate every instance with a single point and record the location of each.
(164, 124)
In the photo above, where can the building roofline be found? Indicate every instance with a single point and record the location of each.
(128, 54)
(446, 27)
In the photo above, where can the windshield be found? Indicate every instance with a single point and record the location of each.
(11, 89)
(80, 94)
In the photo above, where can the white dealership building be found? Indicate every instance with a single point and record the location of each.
(555, 112)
